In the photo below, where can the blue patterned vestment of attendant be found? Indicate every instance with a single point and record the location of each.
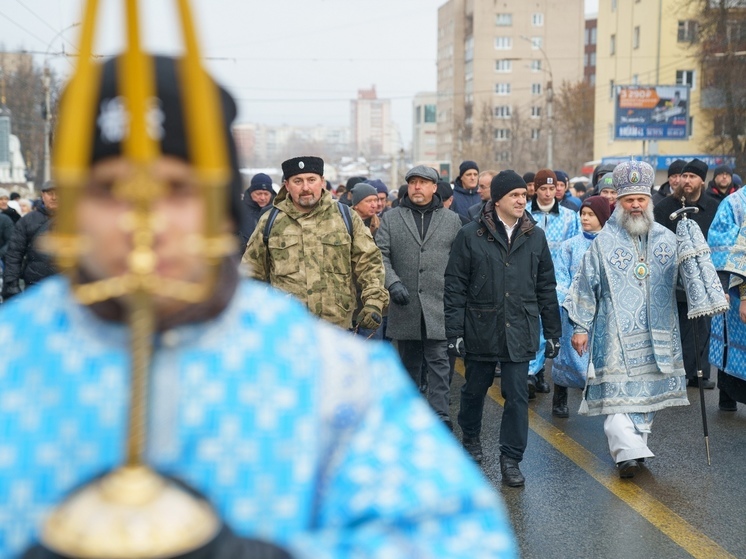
(558, 227)
(635, 345)
(296, 431)
(728, 223)
(568, 368)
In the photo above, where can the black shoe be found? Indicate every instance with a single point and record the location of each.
(473, 446)
(628, 469)
(531, 387)
(542, 385)
(559, 402)
(512, 476)
(726, 403)
(707, 384)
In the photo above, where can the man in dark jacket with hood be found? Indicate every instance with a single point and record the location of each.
(721, 184)
(499, 280)
(23, 259)
(672, 184)
(256, 200)
(465, 193)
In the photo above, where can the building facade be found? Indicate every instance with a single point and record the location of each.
(648, 44)
(589, 50)
(425, 128)
(373, 133)
(495, 61)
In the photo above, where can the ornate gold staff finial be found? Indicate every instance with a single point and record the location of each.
(133, 512)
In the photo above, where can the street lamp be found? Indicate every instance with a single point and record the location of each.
(550, 102)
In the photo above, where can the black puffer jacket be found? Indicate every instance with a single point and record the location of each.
(494, 294)
(250, 214)
(23, 243)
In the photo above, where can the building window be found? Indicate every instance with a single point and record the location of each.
(502, 88)
(536, 65)
(687, 31)
(535, 112)
(636, 37)
(503, 43)
(536, 43)
(537, 19)
(593, 80)
(504, 20)
(502, 134)
(535, 134)
(685, 77)
(613, 5)
(430, 113)
(611, 89)
(593, 35)
(586, 59)
(593, 59)
(535, 89)
(503, 111)
(469, 49)
(503, 65)
(612, 45)
(503, 156)
(587, 36)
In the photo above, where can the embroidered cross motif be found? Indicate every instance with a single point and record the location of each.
(663, 253)
(621, 259)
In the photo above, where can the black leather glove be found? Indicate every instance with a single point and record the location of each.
(399, 293)
(552, 348)
(456, 347)
(369, 318)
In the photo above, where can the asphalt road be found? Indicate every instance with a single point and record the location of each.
(575, 506)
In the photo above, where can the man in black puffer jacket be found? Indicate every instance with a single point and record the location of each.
(23, 259)
(256, 200)
(499, 281)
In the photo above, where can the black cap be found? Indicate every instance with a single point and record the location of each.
(696, 166)
(529, 177)
(445, 190)
(504, 182)
(720, 169)
(304, 164)
(676, 166)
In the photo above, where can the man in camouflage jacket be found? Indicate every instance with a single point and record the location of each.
(310, 254)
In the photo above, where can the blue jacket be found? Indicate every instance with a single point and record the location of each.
(464, 199)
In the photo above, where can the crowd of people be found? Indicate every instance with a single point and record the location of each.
(511, 273)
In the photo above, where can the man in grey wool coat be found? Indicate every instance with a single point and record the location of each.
(415, 240)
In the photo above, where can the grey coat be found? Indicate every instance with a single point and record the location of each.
(420, 265)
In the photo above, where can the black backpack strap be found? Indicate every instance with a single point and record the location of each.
(268, 225)
(346, 217)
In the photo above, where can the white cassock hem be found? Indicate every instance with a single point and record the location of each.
(625, 441)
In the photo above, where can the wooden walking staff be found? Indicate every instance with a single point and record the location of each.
(99, 520)
(683, 212)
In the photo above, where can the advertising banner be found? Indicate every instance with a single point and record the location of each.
(654, 112)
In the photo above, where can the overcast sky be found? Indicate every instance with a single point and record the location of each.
(286, 61)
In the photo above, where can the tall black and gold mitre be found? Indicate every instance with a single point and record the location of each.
(134, 512)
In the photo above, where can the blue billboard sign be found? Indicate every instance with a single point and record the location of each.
(652, 112)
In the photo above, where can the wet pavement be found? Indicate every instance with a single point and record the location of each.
(575, 506)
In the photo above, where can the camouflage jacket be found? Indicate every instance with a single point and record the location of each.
(310, 255)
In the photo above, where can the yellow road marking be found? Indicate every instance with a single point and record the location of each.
(659, 515)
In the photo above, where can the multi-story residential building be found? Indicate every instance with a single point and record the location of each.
(373, 134)
(589, 50)
(657, 44)
(425, 128)
(495, 61)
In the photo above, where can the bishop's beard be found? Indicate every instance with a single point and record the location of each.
(636, 225)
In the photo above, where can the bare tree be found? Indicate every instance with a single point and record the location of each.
(573, 125)
(717, 33)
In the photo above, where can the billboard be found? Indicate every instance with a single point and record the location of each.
(652, 112)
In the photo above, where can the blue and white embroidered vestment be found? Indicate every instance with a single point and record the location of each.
(635, 346)
(296, 431)
(568, 368)
(728, 223)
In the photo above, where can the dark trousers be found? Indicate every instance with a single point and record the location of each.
(435, 355)
(689, 348)
(514, 387)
